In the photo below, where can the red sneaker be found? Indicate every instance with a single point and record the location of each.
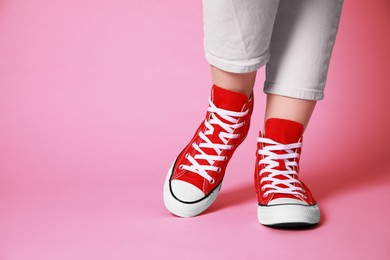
(195, 178)
(283, 199)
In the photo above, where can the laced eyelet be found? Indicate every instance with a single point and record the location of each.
(181, 166)
(225, 159)
(263, 188)
(187, 155)
(265, 195)
(212, 181)
(193, 144)
(219, 170)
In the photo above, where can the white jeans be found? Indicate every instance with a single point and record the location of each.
(293, 38)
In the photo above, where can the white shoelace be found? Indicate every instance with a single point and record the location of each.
(277, 185)
(231, 117)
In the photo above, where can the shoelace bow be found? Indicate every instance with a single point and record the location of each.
(271, 159)
(216, 113)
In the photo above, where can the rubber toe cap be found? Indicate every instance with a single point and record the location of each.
(185, 191)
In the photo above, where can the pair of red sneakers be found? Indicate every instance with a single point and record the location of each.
(195, 178)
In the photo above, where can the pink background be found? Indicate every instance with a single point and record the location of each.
(98, 97)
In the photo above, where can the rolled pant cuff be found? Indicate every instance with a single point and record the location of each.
(237, 66)
(299, 93)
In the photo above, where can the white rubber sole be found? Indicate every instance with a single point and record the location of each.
(288, 215)
(183, 209)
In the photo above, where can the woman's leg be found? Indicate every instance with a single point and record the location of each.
(237, 36)
(301, 47)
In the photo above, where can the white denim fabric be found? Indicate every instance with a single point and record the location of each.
(293, 38)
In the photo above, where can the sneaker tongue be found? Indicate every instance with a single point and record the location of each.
(228, 100)
(283, 131)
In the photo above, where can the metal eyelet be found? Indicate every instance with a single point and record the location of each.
(219, 170)
(187, 155)
(212, 181)
(265, 195)
(181, 166)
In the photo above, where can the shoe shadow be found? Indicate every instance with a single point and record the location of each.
(343, 176)
(359, 162)
(244, 193)
(234, 196)
(335, 175)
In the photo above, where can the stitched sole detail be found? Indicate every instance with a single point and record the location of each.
(288, 215)
(182, 209)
